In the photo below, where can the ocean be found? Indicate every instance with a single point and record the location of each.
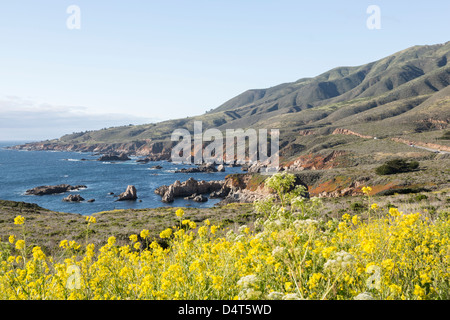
(23, 170)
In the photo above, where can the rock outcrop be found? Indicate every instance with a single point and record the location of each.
(351, 133)
(316, 161)
(45, 190)
(200, 198)
(206, 167)
(114, 157)
(187, 188)
(73, 198)
(129, 194)
(244, 188)
(145, 160)
(197, 198)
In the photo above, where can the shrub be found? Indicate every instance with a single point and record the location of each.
(421, 197)
(358, 206)
(397, 166)
(391, 192)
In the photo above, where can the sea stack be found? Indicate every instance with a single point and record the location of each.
(129, 194)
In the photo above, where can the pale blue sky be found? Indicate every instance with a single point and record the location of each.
(137, 61)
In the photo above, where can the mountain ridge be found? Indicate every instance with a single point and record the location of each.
(402, 94)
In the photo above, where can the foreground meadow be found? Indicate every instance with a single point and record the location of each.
(290, 253)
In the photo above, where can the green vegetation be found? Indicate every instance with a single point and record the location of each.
(397, 166)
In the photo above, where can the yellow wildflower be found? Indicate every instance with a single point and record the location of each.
(366, 190)
(395, 289)
(314, 280)
(38, 254)
(111, 241)
(64, 244)
(346, 217)
(19, 220)
(419, 291)
(394, 212)
(91, 219)
(202, 231)
(20, 244)
(166, 233)
(214, 229)
(144, 234)
(179, 213)
(388, 264)
(192, 225)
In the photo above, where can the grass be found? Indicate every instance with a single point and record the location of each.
(48, 228)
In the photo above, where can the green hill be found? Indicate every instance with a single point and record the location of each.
(404, 95)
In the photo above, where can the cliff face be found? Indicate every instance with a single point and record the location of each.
(350, 133)
(316, 161)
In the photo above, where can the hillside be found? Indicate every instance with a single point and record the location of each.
(405, 95)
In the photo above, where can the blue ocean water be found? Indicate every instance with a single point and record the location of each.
(23, 170)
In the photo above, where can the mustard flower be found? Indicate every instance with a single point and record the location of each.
(19, 220)
(145, 233)
(179, 213)
(91, 219)
(366, 190)
(20, 244)
(166, 233)
(64, 244)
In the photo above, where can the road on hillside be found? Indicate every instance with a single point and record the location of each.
(431, 150)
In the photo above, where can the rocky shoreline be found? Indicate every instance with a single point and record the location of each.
(235, 188)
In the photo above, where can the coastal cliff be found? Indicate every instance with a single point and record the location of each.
(155, 150)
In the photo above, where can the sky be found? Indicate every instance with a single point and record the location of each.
(135, 62)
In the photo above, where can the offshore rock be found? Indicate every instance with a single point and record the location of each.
(73, 198)
(45, 190)
(187, 189)
(113, 157)
(129, 194)
(206, 167)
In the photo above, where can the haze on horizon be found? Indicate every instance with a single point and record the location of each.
(134, 62)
